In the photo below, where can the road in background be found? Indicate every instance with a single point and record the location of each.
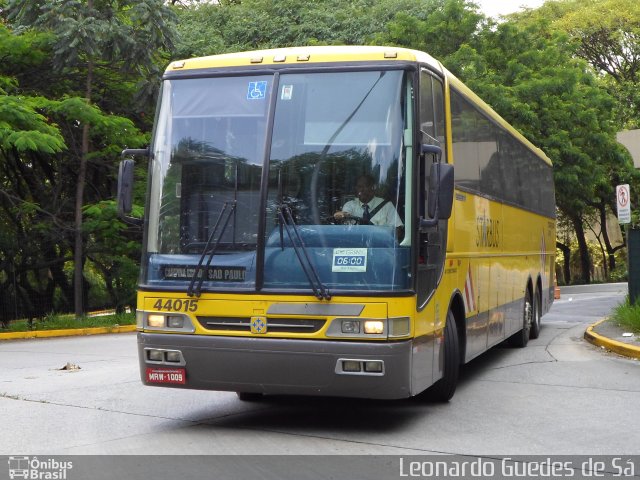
(560, 395)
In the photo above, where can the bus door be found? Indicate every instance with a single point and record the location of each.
(432, 241)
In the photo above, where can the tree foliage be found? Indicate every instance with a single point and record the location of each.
(212, 28)
(43, 110)
(606, 33)
(87, 36)
(542, 88)
(78, 78)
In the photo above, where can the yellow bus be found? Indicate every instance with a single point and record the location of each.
(335, 221)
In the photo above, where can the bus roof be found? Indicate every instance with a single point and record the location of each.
(310, 54)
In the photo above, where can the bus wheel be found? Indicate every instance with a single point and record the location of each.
(535, 319)
(249, 396)
(521, 338)
(443, 389)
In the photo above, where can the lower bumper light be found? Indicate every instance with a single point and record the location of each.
(160, 356)
(173, 357)
(373, 367)
(155, 355)
(351, 366)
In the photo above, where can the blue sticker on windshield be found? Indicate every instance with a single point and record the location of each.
(257, 90)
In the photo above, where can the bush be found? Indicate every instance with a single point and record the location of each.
(628, 316)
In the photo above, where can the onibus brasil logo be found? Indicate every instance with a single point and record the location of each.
(33, 468)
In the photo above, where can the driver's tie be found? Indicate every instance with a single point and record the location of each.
(366, 216)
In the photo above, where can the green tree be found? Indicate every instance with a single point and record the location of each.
(555, 100)
(27, 138)
(212, 28)
(440, 27)
(114, 249)
(36, 180)
(606, 33)
(88, 36)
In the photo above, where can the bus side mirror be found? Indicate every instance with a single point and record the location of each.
(440, 194)
(125, 187)
(440, 191)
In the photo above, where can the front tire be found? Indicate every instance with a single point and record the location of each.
(443, 389)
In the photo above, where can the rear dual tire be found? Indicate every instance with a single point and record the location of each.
(521, 338)
(536, 319)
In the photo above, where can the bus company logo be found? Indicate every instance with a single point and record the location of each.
(35, 469)
(258, 325)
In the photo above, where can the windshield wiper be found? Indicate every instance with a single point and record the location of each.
(288, 223)
(194, 290)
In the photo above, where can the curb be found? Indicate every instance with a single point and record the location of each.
(66, 332)
(620, 348)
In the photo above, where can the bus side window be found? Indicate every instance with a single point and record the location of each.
(432, 123)
(432, 110)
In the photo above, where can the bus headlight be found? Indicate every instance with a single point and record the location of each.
(350, 326)
(374, 327)
(358, 328)
(175, 321)
(168, 323)
(155, 320)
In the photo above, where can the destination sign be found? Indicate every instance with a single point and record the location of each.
(212, 273)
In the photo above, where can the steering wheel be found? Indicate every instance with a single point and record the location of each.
(346, 220)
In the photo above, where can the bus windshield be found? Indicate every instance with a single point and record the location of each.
(315, 178)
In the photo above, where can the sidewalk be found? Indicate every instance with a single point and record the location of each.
(66, 332)
(608, 334)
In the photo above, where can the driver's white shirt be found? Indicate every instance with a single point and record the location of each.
(387, 215)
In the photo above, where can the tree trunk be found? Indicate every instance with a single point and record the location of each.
(78, 278)
(602, 208)
(585, 260)
(566, 265)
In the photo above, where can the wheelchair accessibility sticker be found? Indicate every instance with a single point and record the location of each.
(257, 90)
(349, 260)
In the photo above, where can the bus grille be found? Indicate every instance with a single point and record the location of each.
(274, 325)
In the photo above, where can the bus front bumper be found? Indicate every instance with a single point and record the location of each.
(277, 366)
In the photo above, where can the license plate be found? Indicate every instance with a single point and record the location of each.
(167, 375)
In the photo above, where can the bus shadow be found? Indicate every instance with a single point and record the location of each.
(317, 415)
(330, 414)
(324, 414)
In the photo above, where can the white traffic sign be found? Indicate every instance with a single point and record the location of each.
(623, 199)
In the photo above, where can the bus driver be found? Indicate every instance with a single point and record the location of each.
(371, 209)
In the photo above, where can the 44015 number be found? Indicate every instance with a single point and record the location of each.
(176, 305)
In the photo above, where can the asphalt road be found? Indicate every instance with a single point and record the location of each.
(560, 395)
